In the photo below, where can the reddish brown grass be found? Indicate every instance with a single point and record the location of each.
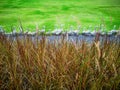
(60, 65)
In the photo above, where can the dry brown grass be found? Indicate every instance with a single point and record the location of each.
(60, 65)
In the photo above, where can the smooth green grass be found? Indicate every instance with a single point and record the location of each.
(52, 12)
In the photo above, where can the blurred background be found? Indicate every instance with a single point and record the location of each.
(54, 13)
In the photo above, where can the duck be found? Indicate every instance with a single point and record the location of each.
(42, 30)
(14, 31)
(77, 31)
(102, 30)
(93, 33)
(48, 32)
(31, 33)
(1, 30)
(57, 31)
(113, 31)
(72, 31)
(8, 33)
(28, 32)
(86, 32)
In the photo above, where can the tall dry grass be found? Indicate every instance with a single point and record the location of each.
(60, 65)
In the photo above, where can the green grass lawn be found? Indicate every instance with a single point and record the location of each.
(56, 12)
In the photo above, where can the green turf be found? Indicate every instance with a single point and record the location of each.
(56, 12)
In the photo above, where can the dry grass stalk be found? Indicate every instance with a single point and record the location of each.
(41, 64)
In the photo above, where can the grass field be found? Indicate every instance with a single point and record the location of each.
(56, 12)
